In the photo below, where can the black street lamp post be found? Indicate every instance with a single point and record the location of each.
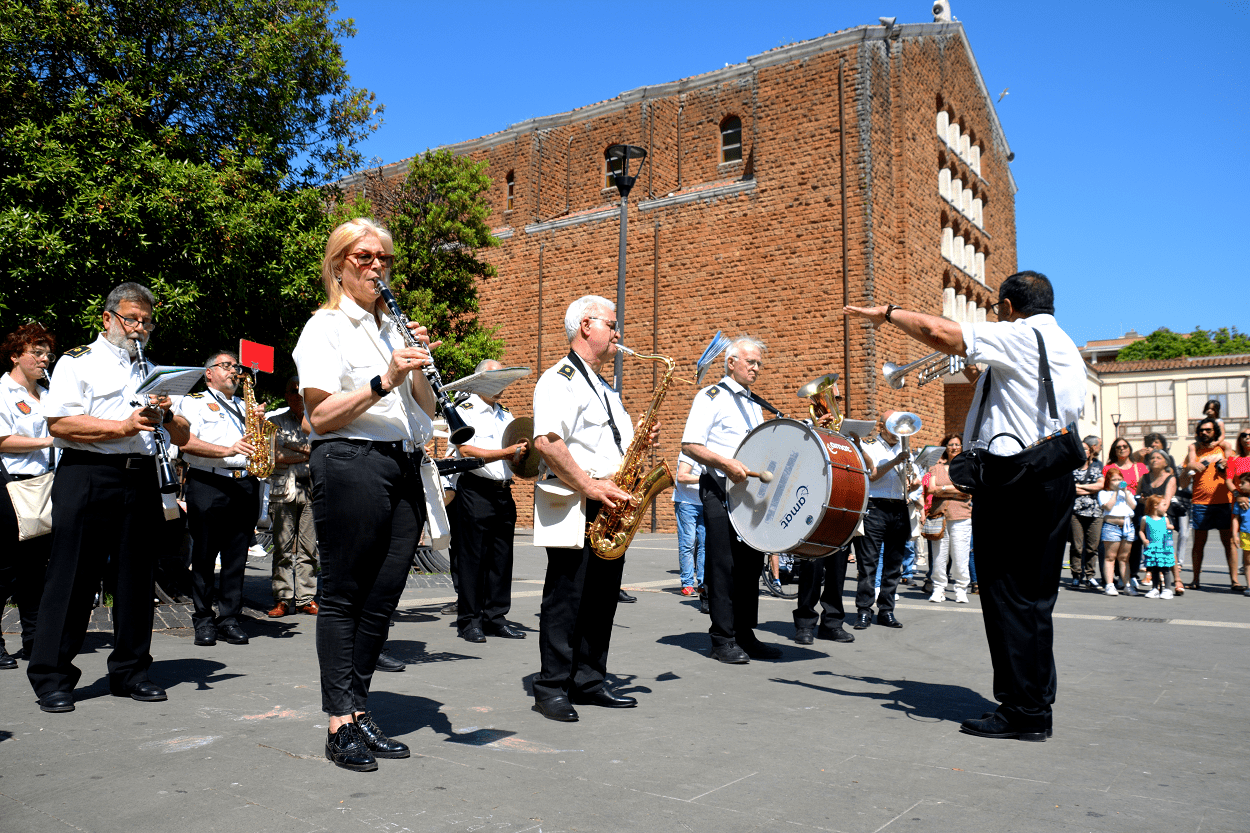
(618, 157)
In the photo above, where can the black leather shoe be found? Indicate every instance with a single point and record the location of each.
(506, 631)
(233, 634)
(834, 635)
(386, 662)
(379, 744)
(626, 598)
(206, 635)
(995, 726)
(886, 618)
(703, 606)
(862, 620)
(450, 609)
(803, 636)
(730, 653)
(473, 635)
(7, 661)
(347, 748)
(556, 708)
(758, 650)
(57, 701)
(605, 698)
(145, 691)
(1050, 724)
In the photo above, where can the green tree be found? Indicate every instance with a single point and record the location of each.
(1165, 344)
(437, 216)
(1161, 344)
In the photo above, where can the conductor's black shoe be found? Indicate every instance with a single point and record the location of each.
(703, 606)
(507, 632)
(626, 598)
(233, 634)
(556, 708)
(379, 744)
(605, 698)
(835, 634)
(145, 691)
(862, 620)
(7, 661)
(1050, 723)
(450, 609)
(57, 701)
(386, 662)
(206, 635)
(995, 726)
(730, 653)
(758, 650)
(473, 635)
(803, 636)
(886, 618)
(347, 748)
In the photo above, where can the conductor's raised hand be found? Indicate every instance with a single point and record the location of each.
(874, 314)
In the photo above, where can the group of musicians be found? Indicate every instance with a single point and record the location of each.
(370, 415)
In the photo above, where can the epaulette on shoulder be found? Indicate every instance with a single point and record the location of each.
(199, 395)
(566, 370)
(505, 408)
(713, 391)
(78, 352)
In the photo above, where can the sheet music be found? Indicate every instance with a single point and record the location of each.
(170, 380)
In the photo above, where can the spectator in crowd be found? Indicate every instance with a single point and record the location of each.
(956, 507)
(1241, 521)
(1153, 442)
(294, 572)
(1121, 458)
(1086, 522)
(1117, 502)
(1156, 537)
(1240, 463)
(1211, 507)
(1212, 411)
(690, 531)
(1159, 480)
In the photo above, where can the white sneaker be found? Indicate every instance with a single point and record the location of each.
(961, 596)
(938, 597)
(1154, 593)
(1111, 591)
(1130, 590)
(1167, 594)
(1095, 583)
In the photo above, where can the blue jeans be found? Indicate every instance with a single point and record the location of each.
(690, 543)
(909, 563)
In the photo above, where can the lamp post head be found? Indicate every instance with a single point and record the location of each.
(618, 157)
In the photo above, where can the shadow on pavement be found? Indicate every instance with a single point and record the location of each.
(917, 700)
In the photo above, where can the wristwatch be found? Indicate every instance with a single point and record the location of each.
(889, 310)
(376, 384)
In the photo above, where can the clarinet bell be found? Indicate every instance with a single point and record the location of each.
(168, 480)
(458, 431)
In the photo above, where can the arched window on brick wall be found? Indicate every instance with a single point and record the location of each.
(510, 186)
(731, 139)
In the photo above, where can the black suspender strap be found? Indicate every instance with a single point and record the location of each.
(576, 361)
(754, 397)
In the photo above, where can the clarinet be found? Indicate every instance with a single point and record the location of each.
(459, 432)
(165, 469)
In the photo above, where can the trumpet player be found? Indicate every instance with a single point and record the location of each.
(223, 499)
(106, 506)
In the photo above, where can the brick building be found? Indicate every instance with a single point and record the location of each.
(865, 166)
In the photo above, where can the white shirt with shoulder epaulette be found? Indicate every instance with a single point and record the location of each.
(565, 404)
(489, 422)
(21, 415)
(340, 351)
(215, 418)
(98, 380)
(720, 418)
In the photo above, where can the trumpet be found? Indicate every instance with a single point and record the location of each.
(933, 366)
(458, 431)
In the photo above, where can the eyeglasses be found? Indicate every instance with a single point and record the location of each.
(994, 307)
(135, 322)
(367, 258)
(229, 367)
(610, 324)
(749, 362)
(47, 354)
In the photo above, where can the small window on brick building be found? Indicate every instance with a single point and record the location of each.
(511, 189)
(731, 139)
(612, 167)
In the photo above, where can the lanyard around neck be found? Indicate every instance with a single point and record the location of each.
(616, 433)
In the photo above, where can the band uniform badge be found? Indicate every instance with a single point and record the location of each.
(214, 407)
(24, 408)
(713, 392)
(78, 352)
(566, 371)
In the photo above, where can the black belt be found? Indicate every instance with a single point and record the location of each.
(117, 461)
(24, 476)
(483, 482)
(388, 447)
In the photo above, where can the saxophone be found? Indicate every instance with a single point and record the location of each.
(612, 529)
(260, 433)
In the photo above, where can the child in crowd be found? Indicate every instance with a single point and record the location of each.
(1117, 504)
(1156, 553)
(1241, 523)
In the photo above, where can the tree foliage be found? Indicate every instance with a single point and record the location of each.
(1165, 344)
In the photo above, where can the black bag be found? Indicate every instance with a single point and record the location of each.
(1052, 456)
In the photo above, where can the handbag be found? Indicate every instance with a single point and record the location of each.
(1047, 459)
(934, 527)
(32, 504)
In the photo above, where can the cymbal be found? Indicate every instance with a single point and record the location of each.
(522, 428)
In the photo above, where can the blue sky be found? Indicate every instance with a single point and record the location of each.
(1128, 120)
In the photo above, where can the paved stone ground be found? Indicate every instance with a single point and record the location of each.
(861, 738)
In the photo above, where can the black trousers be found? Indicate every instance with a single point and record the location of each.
(221, 516)
(483, 523)
(369, 509)
(1020, 534)
(102, 512)
(23, 569)
(580, 592)
(885, 522)
(731, 571)
(831, 571)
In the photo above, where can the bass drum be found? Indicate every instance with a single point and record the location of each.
(818, 493)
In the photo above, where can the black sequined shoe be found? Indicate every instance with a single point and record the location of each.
(347, 748)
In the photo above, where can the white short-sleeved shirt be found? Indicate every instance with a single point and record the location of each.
(489, 422)
(1017, 402)
(565, 404)
(217, 419)
(98, 380)
(720, 416)
(21, 415)
(687, 492)
(340, 351)
(889, 487)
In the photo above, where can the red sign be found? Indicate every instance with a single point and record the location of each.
(255, 356)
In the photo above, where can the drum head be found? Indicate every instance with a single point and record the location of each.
(778, 516)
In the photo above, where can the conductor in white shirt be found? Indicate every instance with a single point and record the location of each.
(1020, 530)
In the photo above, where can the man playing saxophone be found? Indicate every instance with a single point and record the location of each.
(223, 499)
(581, 431)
